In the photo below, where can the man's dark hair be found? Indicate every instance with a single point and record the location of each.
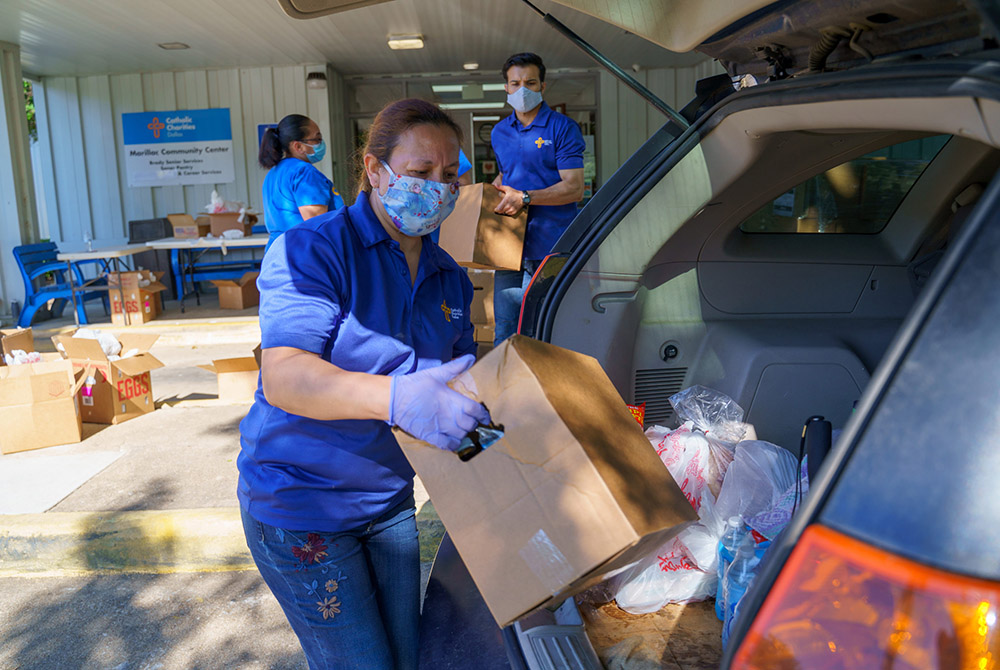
(521, 60)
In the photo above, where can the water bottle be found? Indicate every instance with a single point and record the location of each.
(739, 575)
(727, 549)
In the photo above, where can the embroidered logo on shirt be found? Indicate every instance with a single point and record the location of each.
(450, 312)
(540, 142)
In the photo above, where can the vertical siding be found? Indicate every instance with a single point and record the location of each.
(625, 120)
(85, 186)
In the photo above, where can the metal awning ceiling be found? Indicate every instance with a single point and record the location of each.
(71, 37)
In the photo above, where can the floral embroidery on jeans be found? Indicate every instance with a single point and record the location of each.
(312, 550)
(331, 585)
(330, 607)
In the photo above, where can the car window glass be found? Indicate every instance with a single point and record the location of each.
(858, 196)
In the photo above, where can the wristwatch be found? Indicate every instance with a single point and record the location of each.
(525, 198)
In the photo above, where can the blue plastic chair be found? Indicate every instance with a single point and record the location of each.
(36, 260)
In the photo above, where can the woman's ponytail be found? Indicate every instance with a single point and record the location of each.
(271, 152)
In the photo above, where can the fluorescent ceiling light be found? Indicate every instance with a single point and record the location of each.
(457, 88)
(173, 46)
(406, 41)
(472, 105)
(470, 66)
(485, 118)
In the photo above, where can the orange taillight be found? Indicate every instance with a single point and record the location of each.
(840, 603)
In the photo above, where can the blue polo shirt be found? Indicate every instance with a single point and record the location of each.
(530, 159)
(291, 184)
(337, 285)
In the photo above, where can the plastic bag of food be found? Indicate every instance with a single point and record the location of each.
(761, 487)
(711, 412)
(217, 205)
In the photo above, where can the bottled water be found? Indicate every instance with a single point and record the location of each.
(739, 575)
(727, 549)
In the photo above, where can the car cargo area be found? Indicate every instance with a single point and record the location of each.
(774, 263)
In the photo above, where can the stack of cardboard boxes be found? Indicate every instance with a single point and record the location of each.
(135, 296)
(483, 241)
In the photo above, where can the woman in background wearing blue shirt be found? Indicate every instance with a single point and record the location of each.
(294, 188)
(363, 321)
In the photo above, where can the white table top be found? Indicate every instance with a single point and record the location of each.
(208, 242)
(102, 253)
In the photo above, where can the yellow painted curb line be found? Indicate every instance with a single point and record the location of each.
(73, 543)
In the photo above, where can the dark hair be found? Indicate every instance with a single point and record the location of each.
(274, 143)
(394, 120)
(522, 60)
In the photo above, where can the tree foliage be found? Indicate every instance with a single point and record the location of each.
(29, 110)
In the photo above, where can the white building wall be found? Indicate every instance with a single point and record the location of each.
(80, 141)
(626, 120)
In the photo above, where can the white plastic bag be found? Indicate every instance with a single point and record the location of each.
(760, 486)
(669, 575)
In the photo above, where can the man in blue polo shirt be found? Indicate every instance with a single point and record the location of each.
(540, 156)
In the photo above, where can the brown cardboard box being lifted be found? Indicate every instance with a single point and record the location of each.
(240, 293)
(476, 236)
(113, 391)
(15, 339)
(37, 408)
(185, 226)
(571, 492)
(141, 290)
(237, 378)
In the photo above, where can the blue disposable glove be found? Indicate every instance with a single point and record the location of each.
(422, 404)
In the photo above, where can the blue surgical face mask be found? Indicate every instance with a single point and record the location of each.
(417, 206)
(318, 152)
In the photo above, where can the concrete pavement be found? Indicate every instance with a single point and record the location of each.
(126, 550)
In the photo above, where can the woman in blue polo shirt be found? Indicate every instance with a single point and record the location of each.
(294, 189)
(363, 321)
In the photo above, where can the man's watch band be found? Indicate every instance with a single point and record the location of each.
(525, 198)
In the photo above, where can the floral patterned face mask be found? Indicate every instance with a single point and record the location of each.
(417, 206)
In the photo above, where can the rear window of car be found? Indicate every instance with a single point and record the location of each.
(857, 197)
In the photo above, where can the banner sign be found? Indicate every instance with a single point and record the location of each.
(191, 146)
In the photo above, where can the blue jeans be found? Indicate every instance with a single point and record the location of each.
(508, 293)
(352, 598)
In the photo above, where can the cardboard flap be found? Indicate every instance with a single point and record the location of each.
(141, 341)
(136, 365)
(81, 348)
(241, 364)
(242, 281)
(180, 219)
(35, 382)
(18, 338)
(210, 368)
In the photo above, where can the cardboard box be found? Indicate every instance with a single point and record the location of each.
(571, 492)
(142, 302)
(238, 294)
(237, 378)
(481, 311)
(220, 223)
(113, 391)
(185, 226)
(476, 235)
(483, 333)
(14, 339)
(37, 408)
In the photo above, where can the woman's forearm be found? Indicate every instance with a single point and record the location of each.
(302, 383)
